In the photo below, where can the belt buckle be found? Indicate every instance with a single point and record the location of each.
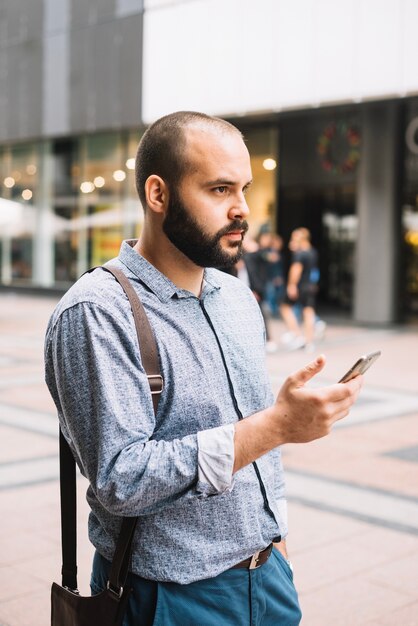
(254, 563)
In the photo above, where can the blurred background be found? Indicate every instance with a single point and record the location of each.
(326, 94)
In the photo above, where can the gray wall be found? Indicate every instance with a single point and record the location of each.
(378, 204)
(68, 66)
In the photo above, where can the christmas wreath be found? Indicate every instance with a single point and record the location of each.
(342, 133)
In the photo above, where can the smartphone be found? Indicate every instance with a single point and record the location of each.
(360, 366)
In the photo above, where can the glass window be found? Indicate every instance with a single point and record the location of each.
(66, 209)
(18, 193)
(95, 200)
(262, 144)
(410, 253)
(409, 217)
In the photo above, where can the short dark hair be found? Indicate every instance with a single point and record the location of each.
(161, 150)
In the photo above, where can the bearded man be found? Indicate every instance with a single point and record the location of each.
(204, 474)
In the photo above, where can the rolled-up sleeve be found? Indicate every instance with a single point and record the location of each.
(215, 459)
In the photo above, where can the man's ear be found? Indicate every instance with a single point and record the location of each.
(156, 193)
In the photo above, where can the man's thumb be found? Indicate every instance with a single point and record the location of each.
(302, 376)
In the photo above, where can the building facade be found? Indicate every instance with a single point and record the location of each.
(328, 106)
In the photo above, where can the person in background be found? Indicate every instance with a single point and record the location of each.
(301, 289)
(275, 286)
(255, 270)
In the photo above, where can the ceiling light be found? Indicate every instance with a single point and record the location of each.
(99, 181)
(9, 182)
(27, 194)
(119, 175)
(269, 164)
(87, 186)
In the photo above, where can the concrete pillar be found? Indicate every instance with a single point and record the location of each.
(43, 242)
(6, 260)
(378, 209)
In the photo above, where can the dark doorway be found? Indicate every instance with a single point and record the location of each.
(329, 214)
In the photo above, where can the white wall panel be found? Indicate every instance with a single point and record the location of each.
(238, 56)
(334, 49)
(378, 68)
(410, 47)
(214, 56)
(292, 43)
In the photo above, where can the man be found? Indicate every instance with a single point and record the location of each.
(205, 474)
(302, 285)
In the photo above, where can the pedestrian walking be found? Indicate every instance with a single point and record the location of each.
(275, 286)
(204, 474)
(255, 269)
(301, 289)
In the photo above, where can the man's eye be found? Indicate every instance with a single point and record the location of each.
(221, 189)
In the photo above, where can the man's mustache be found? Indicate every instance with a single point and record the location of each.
(233, 227)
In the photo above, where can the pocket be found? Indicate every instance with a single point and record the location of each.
(99, 575)
(284, 563)
(95, 588)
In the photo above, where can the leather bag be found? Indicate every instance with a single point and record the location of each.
(68, 607)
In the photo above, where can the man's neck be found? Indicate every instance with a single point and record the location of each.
(168, 260)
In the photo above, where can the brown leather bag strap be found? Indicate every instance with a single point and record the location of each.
(146, 339)
(121, 559)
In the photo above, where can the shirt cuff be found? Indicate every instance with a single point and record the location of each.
(215, 460)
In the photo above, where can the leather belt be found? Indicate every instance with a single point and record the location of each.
(256, 560)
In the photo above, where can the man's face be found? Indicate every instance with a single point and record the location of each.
(203, 248)
(295, 242)
(205, 217)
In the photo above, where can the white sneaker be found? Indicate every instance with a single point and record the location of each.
(320, 329)
(297, 343)
(309, 347)
(288, 337)
(271, 347)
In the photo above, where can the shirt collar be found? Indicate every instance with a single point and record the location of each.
(157, 282)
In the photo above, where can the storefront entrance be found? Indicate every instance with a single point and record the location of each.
(329, 214)
(319, 158)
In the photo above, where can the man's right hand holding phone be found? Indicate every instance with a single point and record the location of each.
(309, 413)
(300, 414)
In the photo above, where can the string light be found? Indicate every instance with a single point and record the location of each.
(269, 164)
(119, 175)
(9, 182)
(87, 186)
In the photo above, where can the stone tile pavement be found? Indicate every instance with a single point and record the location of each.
(353, 496)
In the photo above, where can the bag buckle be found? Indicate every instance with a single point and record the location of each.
(156, 383)
(116, 592)
(254, 563)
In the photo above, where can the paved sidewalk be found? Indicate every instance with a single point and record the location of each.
(353, 496)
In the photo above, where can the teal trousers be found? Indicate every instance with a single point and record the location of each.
(238, 597)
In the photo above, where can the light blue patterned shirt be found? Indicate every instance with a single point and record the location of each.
(173, 470)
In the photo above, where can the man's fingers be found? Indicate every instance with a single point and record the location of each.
(341, 391)
(341, 408)
(302, 376)
(355, 384)
(341, 414)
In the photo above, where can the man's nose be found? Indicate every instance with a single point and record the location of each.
(240, 209)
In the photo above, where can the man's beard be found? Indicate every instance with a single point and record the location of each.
(204, 250)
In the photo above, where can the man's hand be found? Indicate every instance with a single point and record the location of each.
(292, 291)
(300, 414)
